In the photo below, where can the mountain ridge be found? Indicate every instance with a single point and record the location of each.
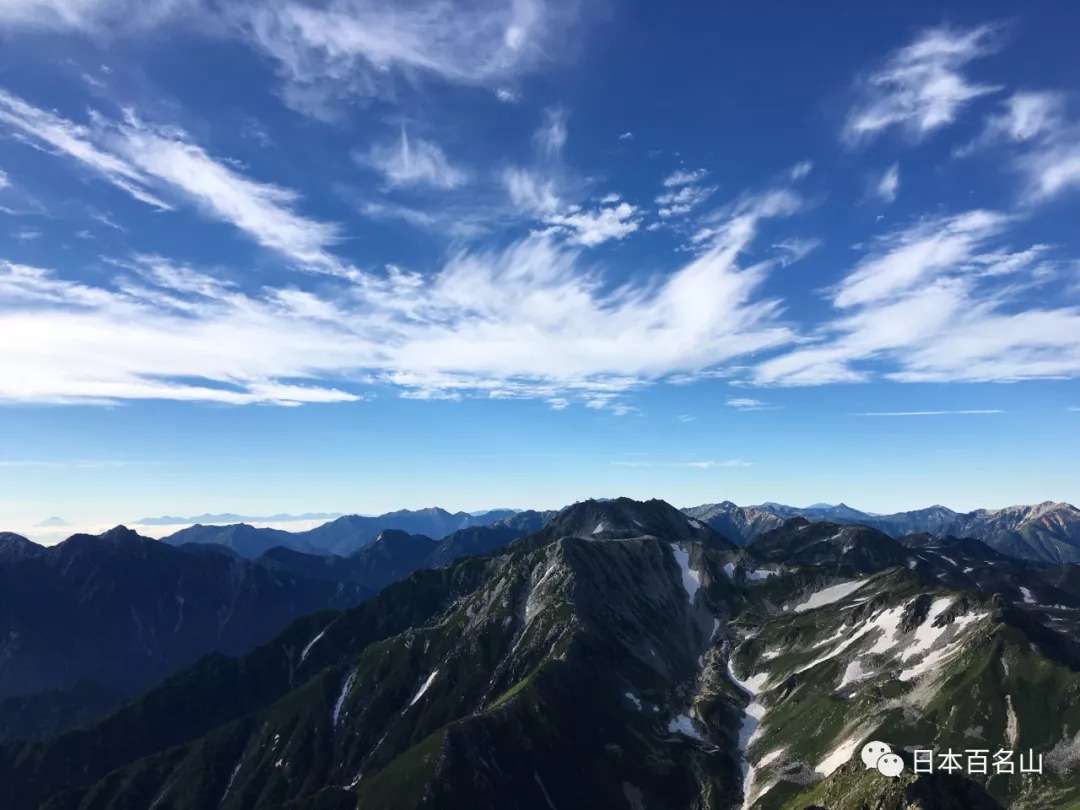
(622, 656)
(1048, 531)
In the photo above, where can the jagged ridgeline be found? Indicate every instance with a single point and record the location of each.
(624, 656)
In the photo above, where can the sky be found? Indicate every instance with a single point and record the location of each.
(346, 256)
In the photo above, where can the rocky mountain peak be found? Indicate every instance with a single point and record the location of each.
(624, 517)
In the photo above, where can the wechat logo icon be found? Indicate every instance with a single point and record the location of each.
(876, 754)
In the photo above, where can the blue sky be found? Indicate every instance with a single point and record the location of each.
(300, 256)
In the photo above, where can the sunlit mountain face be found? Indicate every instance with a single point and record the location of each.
(538, 404)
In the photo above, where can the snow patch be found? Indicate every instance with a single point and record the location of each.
(854, 673)
(750, 729)
(1012, 723)
(926, 633)
(761, 573)
(827, 596)
(547, 798)
(420, 692)
(682, 724)
(888, 622)
(1029, 597)
(345, 688)
(312, 643)
(691, 580)
(838, 756)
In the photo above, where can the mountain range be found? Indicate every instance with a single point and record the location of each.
(624, 655)
(97, 618)
(1047, 531)
(343, 535)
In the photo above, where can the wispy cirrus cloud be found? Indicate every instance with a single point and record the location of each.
(550, 137)
(922, 86)
(889, 184)
(330, 52)
(970, 412)
(413, 162)
(707, 464)
(747, 404)
(612, 221)
(682, 199)
(1043, 141)
(91, 16)
(344, 48)
(531, 191)
(532, 320)
(938, 301)
(153, 162)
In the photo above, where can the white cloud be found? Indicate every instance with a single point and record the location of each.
(906, 258)
(796, 249)
(590, 228)
(746, 404)
(735, 220)
(4, 182)
(1053, 168)
(626, 136)
(1026, 117)
(530, 192)
(527, 321)
(359, 47)
(1029, 114)
(550, 138)
(693, 465)
(937, 303)
(889, 184)
(931, 413)
(97, 16)
(507, 96)
(328, 52)
(414, 161)
(682, 199)
(558, 403)
(682, 177)
(45, 129)
(921, 87)
(148, 161)
(801, 170)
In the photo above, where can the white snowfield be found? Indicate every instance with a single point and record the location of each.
(838, 756)
(691, 579)
(827, 596)
(682, 724)
(750, 729)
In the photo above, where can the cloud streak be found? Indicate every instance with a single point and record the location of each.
(151, 162)
(938, 302)
(528, 321)
(921, 87)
